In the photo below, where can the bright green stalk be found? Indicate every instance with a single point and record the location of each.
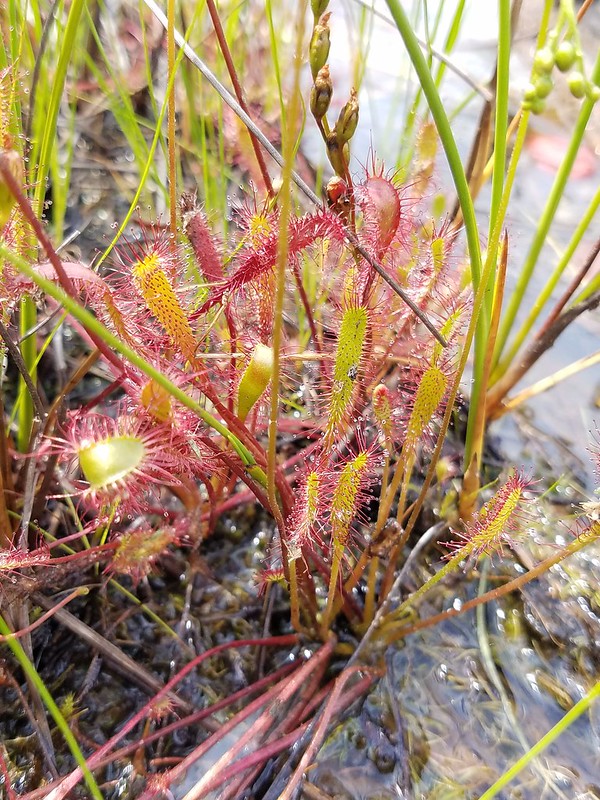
(546, 292)
(49, 133)
(498, 178)
(28, 312)
(501, 116)
(54, 710)
(445, 133)
(561, 726)
(93, 325)
(150, 160)
(450, 41)
(48, 142)
(285, 208)
(545, 221)
(27, 320)
(496, 230)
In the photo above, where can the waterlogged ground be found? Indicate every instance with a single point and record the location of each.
(459, 703)
(465, 699)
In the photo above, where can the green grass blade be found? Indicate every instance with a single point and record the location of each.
(561, 726)
(444, 129)
(61, 723)
(48, 142)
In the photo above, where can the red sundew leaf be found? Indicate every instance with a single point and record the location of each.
(504, 515)
(14, 558)
(302, 233)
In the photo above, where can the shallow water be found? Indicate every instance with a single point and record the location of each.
(463, 700)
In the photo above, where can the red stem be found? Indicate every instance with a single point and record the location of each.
(68, 783)
(239, 93)
(184, 722)
(280, 695)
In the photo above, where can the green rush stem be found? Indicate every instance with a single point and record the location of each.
(587, 537)
(478, 418)
(496, 226)
(500, 127)
(561, 726)
(61, 723)
(25, 403)
(476, 396)
(285, 196)
(94, 326)
(28, 310)
(445, 133)
(545, 221)
(58, 83)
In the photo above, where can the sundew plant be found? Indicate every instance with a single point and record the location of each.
(298, 348)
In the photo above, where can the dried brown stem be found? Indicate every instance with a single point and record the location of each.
(544, 340)
(24, 372)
